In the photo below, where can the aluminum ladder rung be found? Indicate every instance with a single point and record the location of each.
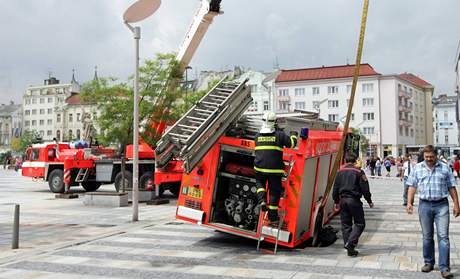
(196, 118)
(179, 136)
(204, 110)
(217, 96)
(224, 90)
(82, 175)
(188, 127)
(195, 121)
(210, 103)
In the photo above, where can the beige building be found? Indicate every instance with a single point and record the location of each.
(10, 124)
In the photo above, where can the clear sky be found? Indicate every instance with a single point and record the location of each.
(38, 37)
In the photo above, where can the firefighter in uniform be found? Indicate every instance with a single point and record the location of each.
(269, 165)
(349, 186)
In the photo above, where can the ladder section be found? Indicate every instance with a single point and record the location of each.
(195, 133)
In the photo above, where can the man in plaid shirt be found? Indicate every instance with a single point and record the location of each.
(434, 183)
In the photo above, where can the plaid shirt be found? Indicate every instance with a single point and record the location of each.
(433, 184)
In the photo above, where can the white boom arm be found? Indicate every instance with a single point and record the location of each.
(200, 24)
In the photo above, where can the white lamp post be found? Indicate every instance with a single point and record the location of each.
(137, 12)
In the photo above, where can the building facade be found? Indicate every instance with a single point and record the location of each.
(384, 108)
(446, 122)
(10, 124)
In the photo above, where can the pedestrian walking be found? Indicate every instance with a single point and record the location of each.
(378, 166)
(387, 164)
(349, 186)
(269, 165)
(434, 182)
(456, 167)
(406, 169)
(372, 165)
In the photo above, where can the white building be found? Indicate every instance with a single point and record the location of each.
(10, 123)
(446, 121)
(259, 91)
(382, 110)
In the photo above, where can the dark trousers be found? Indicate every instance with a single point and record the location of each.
(372, 171)
(351, 213)
(274, 188)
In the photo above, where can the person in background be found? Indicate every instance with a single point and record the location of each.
(378, 166)
(399, 164)
(456, 167)
(406, 169)
(372, 165)
(387, 164)
(434, 183)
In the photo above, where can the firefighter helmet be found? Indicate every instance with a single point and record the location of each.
(269, 121)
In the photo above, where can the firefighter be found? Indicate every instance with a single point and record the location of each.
(349, 186)
(269, 165)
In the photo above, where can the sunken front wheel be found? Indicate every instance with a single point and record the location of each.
(56, 181)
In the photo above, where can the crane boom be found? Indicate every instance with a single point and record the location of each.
(200, 24)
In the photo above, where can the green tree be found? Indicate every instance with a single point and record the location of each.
(28, 137)
(363, 140)
(159, 91)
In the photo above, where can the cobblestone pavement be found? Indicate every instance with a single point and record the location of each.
(389, 248)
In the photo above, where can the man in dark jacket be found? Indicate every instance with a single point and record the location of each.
(269, 165)
(349, 186)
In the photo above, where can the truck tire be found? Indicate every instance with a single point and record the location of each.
(90, 186)
(128, 181)
(174, 188)
(56, 181)
(143, 181)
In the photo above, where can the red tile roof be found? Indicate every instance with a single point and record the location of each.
(344, 71)
(76, 99)
(415, 80)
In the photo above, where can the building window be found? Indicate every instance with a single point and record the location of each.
(300, 105)
(368, 116)
(253, 87)
(42, 122)
(42, 133)
(411, 132)
(333, 104)
(27, 112)
(27, 101)
(58, 135)
(401, 131)
(70, 135)
(316, 105)
(42, 101)
(437, 139)
(50, 100)
(407, 131)
(49, 122)
(49, 133)
(333, 117)
(283, 105)
(368, 130)
(332, 89)
(78, 134)
(26, 123)
(42, 111)
(283, 92)
(50, 111)
(349, 87)
(34, 101)
(266, 107)
(79, 115)
(446, 139)
(58, 118)
(315, 90)
(34, 122)
(446, 115)
(299, 92)
(368, 87)
(34, 112)
(368, 102)
(70, 117)
(352, 117)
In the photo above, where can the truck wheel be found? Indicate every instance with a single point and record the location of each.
(90, 186)
(143, 181)
(128, 181)
(174, 188)
(56, 181)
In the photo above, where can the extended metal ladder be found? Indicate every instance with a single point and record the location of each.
(82, 175)
(195, 133)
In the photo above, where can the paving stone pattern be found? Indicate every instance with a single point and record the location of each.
(389, 248)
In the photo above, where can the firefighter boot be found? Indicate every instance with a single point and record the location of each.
(262, 199)
(273, 218)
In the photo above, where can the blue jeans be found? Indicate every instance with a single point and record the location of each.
(437, 213)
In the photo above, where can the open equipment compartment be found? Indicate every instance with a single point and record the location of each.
(234, 199)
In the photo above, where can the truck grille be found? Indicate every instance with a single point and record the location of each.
(193, 204)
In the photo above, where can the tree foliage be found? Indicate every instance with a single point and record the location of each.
(28, 137)
(363, 140)
(162, 99)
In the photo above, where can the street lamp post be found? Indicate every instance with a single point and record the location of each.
(137, 12)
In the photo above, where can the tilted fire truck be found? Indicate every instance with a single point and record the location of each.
(89, 168)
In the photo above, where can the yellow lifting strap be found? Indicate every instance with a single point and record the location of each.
(339, 156)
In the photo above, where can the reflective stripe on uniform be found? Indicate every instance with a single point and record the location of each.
(292, 141)
(268, 170)
(269, 147)
(261, 190)
(273, 207)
